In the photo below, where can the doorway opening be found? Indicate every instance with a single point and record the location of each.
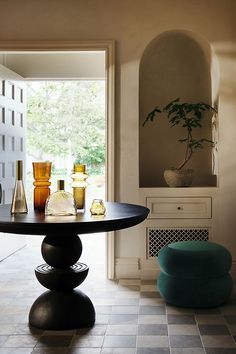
(31, 58)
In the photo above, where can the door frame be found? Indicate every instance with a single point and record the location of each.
(109, 47)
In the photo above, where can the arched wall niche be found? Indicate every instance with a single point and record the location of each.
(182, 64)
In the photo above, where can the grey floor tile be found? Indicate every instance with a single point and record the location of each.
(3, 339)
(153, 351)
(127, 295)
(149, 319)
(123, 319)
(116, 330)
(148, 287)
(152, 310)
(52, 350)
(152, 301)
(129, 282)
(82, 351)
(185, 341)
(7, 329)
(128, 287)
(13, 351)
(87, 341)
(211, 311)
(232, 329)
(212, 329)
(173, 310)
(209, 319)
(21, 341)
(178, 329)
(230, 319)
(126, 302)
(119, 342)
(102, 319)
(187, 351)
(105, 310)
(96, 330)
(54, 341)
(148, 282)
(128, 310)
(152, 329)
(220, 341)
(149, 294)
(152, 342)
(118, 351)
(220, 351)
(228, 310)
(181, 319)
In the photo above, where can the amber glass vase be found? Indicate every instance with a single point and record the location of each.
(42, 174)
(79, 185)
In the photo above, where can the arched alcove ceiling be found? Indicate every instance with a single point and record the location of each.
(175, 64)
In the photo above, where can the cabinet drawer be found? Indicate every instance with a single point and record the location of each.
(179, 208)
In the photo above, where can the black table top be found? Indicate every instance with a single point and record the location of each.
(118, 216)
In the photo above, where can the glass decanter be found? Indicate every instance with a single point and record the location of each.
(60, 202)
(19, 204)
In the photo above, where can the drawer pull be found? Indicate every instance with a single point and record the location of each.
(180, 208)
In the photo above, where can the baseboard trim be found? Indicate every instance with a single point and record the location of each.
(136, 268)
(126, 267)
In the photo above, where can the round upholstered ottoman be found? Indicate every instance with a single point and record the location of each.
(195, 274)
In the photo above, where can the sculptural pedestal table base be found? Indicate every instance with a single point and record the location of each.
(62, 307)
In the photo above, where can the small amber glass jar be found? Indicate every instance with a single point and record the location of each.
(42, 174)
(97, 207)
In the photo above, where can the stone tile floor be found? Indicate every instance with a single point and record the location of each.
(131, 317)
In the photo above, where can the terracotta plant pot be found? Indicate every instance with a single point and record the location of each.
(179, 178)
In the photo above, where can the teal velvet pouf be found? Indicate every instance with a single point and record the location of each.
(195, 274)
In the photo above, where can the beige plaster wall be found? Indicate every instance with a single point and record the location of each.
(133, 24)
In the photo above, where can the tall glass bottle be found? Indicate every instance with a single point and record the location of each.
(79, 184)
(19, 204)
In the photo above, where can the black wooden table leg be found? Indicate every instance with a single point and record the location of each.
(62, 307)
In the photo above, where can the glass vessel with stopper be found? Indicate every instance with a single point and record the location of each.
(42, 173)
(19, 204)
(60, 202)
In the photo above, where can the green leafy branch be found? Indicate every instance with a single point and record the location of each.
(189, 116)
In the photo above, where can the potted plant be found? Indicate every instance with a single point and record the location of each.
(189, 116)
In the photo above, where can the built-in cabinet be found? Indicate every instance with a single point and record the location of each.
(176, 214)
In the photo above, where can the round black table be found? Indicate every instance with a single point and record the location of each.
(62, 307)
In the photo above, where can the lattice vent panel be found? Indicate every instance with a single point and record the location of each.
(158, 238)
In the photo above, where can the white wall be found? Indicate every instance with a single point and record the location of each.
(133, 24)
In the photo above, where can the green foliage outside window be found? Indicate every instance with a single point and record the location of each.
(67, 118)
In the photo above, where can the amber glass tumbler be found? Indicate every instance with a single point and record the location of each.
(42, 174)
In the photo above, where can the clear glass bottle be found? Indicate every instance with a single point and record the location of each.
(19, 204)
(60, 202)
(97, 207)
